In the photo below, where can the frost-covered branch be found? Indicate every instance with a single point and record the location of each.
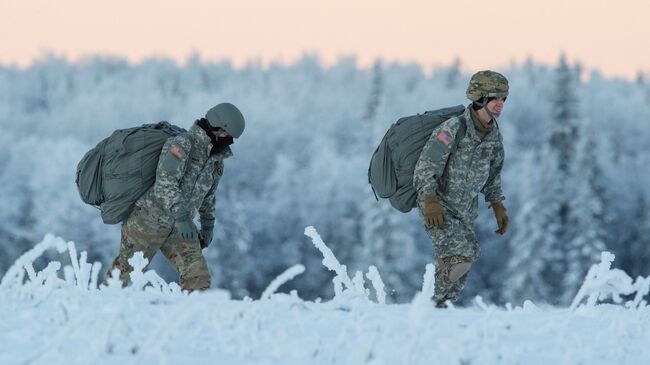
(355, 288)
(428, 286)
(377, 284)
(286, 276)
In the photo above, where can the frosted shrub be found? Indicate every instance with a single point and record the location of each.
(80, 274)
(15, 276)
(344, 287)
(602, 282)
(85, 274)
(148, 280)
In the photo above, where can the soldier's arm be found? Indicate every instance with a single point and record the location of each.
(206, 210)
(171, 167)
(492, 189)
(432, 161)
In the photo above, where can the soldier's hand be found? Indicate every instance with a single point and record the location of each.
(205, 237)
(501, 216)
(185, 229)
(433, 212)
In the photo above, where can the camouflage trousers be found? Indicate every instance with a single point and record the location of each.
(143, 232)
(453, 244)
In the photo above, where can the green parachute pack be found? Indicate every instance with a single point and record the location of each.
(392, 164)
(121, 168)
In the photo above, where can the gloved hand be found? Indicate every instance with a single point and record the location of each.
(501, 216)
(184, 227)
(433, 212)
(205, 237)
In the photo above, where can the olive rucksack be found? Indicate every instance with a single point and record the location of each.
(392, 164)
(121, 168)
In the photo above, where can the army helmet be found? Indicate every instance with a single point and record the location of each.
(487, 84)
(227, 117)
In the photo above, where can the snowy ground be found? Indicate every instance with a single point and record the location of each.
(60, 316)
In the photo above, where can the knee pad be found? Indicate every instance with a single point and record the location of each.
(458, 270)
(196, 283)
(454, 267)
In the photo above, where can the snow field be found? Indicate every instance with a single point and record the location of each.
(60, 315)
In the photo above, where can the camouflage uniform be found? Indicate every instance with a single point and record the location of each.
(456, 180)
(186, 179)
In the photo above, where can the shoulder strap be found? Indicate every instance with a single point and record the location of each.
(462, 129)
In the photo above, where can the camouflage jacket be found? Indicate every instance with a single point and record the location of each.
(457, 179)
(186, 178)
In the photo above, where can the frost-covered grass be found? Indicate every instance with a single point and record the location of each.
(61, 315)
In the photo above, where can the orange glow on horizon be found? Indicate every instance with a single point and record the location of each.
(488, 34)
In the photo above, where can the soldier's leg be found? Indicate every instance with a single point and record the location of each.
(186, 257)
(456, 248)
(450, 277)
(142, 233)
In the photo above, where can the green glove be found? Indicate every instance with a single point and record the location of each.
(501, 216)
(433, 212)
(184, 227)
(205, 237)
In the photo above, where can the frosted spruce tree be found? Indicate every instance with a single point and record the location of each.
(230, 256)
(587, 220)
(386, 240)
(453, 75)
(530, 253)
(562, 187)
(538, 250)
(18, 215)
(634, 254)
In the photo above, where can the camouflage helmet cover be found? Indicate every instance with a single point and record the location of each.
(487, 84)
(227, 117)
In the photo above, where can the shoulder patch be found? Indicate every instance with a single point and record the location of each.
(444, 137)
(177, 151)
(220, 169)
(439, 147)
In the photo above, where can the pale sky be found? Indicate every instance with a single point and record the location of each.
(613, 36)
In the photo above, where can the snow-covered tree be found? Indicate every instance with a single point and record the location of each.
(453, 74)
(634, 252)
(588, 221)
(376, 93)
(535, 257)
(563, 126)
(230, 257)
(539, 248)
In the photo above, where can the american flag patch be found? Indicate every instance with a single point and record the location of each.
(444, 137)
(177, 151)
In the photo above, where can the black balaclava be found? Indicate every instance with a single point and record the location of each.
(218, 143)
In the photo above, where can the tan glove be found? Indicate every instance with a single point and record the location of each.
(433, 212)
(501, 216)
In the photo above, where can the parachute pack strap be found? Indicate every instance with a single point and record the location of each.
(462, 129)
(369, 180)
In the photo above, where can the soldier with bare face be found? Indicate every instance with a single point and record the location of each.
(448, 184)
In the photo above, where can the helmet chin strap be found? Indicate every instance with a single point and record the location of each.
(489, 113)
(484, 106)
